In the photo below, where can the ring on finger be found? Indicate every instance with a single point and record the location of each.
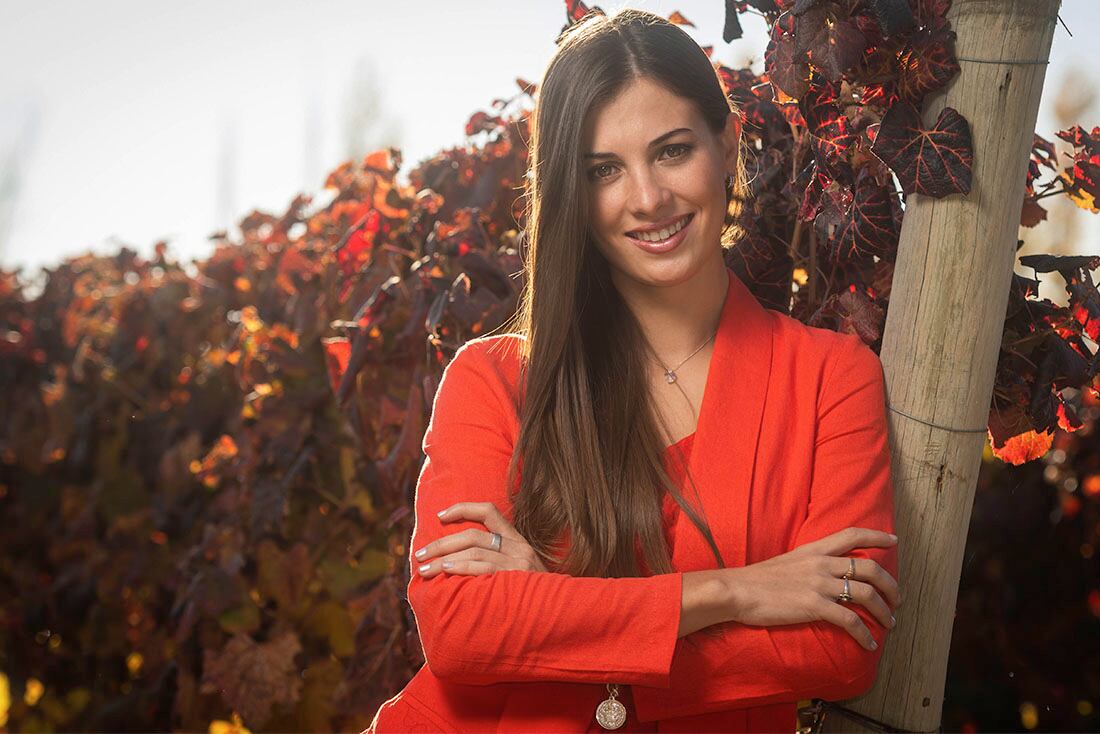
(852, 571)
(495, 542)
(845, 595)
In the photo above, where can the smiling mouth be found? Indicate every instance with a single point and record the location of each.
(663, 234)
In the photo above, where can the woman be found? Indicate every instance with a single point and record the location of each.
(589, 592)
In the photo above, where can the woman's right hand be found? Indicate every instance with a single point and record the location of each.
(802, 585)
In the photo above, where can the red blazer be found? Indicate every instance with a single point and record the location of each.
(791, 446)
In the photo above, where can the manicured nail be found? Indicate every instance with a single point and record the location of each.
(440, 513)
(420, 553)
(448, 564)
(893, 537)
(874, 645)
(893, 622)
(425, 567)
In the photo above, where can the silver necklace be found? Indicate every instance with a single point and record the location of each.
(670, 374)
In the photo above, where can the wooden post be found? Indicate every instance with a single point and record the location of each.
(941, 343)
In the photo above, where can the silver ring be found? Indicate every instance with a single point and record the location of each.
(846, 594)
(852, 571)
(496, 541)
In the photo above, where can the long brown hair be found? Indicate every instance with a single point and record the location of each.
(589, 446)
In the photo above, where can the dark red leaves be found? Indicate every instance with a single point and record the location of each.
(927, 63)
(1082, 181)
(678, 18)
(893, 16)
(273, 401)
(934, 162)
(1012, 438)
(834, 43)
(252, 677)
(832, 134)
(786, 66)
(851, 312)
(868, 227)
(928, 11)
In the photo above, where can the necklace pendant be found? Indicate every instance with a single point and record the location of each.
(670, 377)
(611, 714)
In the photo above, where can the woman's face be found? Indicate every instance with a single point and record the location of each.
(650, 161)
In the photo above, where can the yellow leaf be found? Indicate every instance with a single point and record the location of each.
(33, 691)
(236, 726)
(330, 621)
(5, 699)
(251, 320)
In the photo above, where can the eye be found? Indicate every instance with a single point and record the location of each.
(683, 147)
(593, 173)
(679, 149)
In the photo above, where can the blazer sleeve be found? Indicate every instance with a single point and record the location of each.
(520, 625)
(851, 486)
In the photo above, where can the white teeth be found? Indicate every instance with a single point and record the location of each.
(664, 234)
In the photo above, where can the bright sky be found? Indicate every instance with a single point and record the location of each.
(127, 121)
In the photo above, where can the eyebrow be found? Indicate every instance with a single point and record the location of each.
(656, 141)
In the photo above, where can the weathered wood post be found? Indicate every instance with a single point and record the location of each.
(940, 346)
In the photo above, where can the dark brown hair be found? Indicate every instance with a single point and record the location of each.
(592, 455)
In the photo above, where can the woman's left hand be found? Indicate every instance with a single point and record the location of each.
(469, 552)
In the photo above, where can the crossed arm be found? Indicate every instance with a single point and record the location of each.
(525, 626)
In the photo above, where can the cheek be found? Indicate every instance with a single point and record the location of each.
(606, 212)
(697, 182)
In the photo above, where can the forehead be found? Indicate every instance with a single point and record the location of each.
(643, 110)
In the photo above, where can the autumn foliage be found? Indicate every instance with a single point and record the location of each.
(206, 472)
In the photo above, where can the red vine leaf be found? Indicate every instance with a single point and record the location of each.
(894, 16)
(834, 44)
(928, 11)
(869, 227)
(1083, 179)
(928, 62)
(253, 677)
(786, 66)
(933, 162)
(678, 18)
(831, 132)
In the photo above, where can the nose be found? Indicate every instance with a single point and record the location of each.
(649, 195)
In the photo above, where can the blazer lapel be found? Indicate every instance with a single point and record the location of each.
(723, 451)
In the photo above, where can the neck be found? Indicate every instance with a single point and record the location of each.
(676, 319)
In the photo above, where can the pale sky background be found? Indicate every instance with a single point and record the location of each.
(125, 122)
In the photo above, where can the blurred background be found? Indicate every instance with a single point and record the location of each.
(124, 124)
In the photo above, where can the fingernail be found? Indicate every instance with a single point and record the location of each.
(874, 645)
(440, 513)
(893, 622)
(425, 567)
(420, 553)
(893, 537)
(448, 564)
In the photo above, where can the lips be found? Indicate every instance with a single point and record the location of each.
(657, 228)
(671, 241)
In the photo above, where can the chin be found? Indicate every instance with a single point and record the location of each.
(658, 273)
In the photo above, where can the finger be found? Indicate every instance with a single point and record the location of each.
(471, 568)
(871, 572)
(885, 582)
(849, 621)
(485, 513)
(448, 563)
(843, 541)
(453, 542)
(866, 595)
(863, 594)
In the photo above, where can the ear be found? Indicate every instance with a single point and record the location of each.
(731, 140)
